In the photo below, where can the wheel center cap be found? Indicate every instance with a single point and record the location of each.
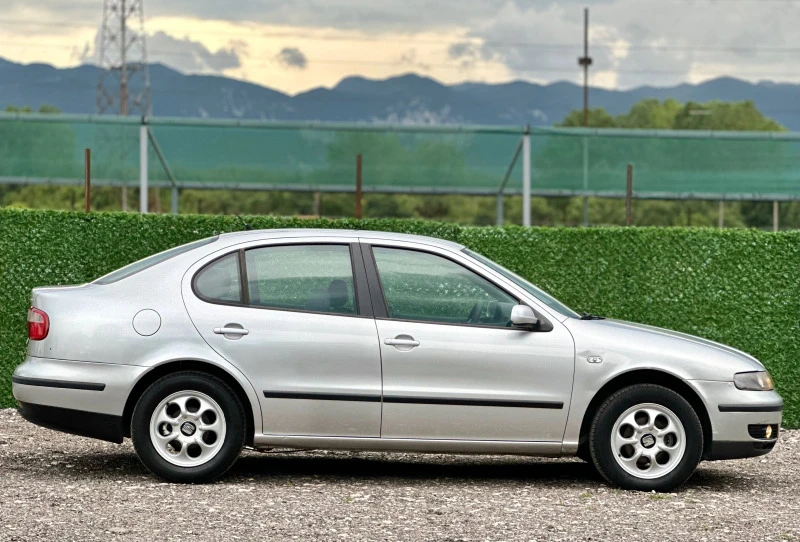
(648, 440)
(188, 429)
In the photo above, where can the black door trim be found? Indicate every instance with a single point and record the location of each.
(363, 298)
(750, 408)
(396, 399)
(65, 384)
(375, 289)
(472, 402)
(366, 398)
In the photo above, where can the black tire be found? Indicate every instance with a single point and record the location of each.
(584, 454)
(192, 381)
(602, 428)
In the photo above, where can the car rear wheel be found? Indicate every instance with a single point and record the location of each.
(646, 437)
(188, 427)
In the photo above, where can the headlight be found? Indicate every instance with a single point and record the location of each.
(756, 381)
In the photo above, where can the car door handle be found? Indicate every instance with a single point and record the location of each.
(401, 342)
(231, 331)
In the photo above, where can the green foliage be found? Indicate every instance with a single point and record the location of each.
(739, 287)
(672, 115)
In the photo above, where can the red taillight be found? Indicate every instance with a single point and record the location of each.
(38, 324)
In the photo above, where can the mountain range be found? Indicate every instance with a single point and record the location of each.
(406, 98)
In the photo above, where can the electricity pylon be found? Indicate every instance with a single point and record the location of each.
(123, 86)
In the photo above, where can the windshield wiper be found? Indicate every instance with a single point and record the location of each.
(589, 316)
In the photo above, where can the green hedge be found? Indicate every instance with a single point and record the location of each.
(739, 287)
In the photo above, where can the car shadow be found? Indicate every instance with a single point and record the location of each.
(341, 467)
(451, 468)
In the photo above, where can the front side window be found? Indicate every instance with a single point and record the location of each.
(219, 281)
(538, 293)
(316, 278)
(425, 287)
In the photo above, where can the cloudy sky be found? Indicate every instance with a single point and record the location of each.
(294, 45)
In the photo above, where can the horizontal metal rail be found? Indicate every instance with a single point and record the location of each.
(261, 124)
(443, 190)
(535, 131)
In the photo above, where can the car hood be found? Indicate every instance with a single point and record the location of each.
(630, 344)
(681, 336)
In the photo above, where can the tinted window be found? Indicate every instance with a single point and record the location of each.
(315, 278)
(422, 286)
(219, 281)
(150, 261)
(538, 293)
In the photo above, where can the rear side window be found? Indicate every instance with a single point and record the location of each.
(150, 261)
(316, 278)
(219, 281)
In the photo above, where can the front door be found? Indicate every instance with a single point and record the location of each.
(288, 315)
(453, 368)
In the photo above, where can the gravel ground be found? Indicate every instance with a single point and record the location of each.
(61, 487)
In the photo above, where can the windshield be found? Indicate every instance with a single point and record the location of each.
(538, 293)
(150, 261)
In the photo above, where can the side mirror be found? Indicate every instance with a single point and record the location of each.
(522, 316)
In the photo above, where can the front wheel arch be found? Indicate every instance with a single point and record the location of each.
(645, 376)
(171, 367)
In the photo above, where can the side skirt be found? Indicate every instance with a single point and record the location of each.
(376, 444)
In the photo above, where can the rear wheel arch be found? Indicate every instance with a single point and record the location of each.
(645, 376)
(171, 367)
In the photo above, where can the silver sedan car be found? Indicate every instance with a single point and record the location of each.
(376, 341)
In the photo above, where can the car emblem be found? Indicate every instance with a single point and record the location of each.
(648, 441)
(594, 359)
(188, 429)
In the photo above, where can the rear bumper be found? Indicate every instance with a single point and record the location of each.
(101, 388)
(81, 398)
(77, 422)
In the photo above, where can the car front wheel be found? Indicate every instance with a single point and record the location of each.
(646, 437)
(188, 427)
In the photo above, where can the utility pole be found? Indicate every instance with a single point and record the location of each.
(585, 61)
(123, 87)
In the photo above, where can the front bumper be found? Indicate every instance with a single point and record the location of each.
(732, 412)
(76, 397)
(721, 449)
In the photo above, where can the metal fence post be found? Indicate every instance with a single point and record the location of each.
(500, 209)
(87, 179)
(526, 177)
(775, 221)
(173, 202)
(143, 166)
(585, 181)
(358, 186)
(629, 196)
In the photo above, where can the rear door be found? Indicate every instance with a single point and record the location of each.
(296, 319)
(453, 368)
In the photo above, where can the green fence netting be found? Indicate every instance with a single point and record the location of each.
(448, 159)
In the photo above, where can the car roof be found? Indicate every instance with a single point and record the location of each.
(354, 234)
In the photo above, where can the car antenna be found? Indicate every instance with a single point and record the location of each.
(247, 226)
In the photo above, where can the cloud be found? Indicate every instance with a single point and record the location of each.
(462, 49)
(411, 58)
(292, 57)
(185, 54)
(192, 56)
(633, 42)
